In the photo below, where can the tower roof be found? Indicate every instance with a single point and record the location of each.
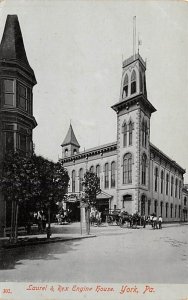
(12, 46)
(70, 138)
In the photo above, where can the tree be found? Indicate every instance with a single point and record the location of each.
(91, 184)
(32, 181)
(19, 183)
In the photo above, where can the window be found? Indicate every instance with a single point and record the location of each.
(156, 179)
(125, 86)
(127, 168)
(124, 131)
(149, 207)
(73, 181)
(185, 201)
(179, 211)
(141, 82)
(91, 169)
(171, 209)
(143, 205)
(126, 198)
(106, 175)
(98, 171)
(162, 180)
(81, 174)
(22, 102)
(66, 152)
(179, 189)
(161, 204)
(155, 206)
(172, 186)
(23, 143)
(9, 91)
(144, 160)
(175, 212)
(133, 82)
(145, 134)
(9, 141)
(130, 133)
(113, 174)
(166, 210)
(176, 188)
(167, 183)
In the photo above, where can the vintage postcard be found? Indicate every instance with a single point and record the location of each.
(93, 155)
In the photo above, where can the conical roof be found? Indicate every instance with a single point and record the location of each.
(70, 138)
(12, 46)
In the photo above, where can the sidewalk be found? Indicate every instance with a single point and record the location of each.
(29, 240)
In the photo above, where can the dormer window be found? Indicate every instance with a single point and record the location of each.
(66, 152)
(75, 152)
(125, 87)
(133, 82)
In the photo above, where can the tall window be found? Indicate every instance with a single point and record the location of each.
(155, 206)
(23, 97)
(127, 168)
(125, 86)
(166, 210)
(9, 91)
(161, 204)
(162, 181)
(171, 209)
(106, 175)
(73, 181)
(113, 174)
(9, 141)
(81, 175)
(172, 186)
(145, 134)
(124, 131)
(179, 211)
(91, 169)
(23, 142)
(179, 189)
(175, 212)
(176, 188)
(156, 179)
(144, 160)
(167, 183)
(130, 133)
(133, 82)
(98, 171)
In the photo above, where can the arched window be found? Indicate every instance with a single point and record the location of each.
(75, 152)
(171, 209)
(167, 183)
(162, 180)
(130, 133)
(91, 169)
(81, 175)
(179, 189)
(156, 179)
(143, 133)
(141, 82)
(172, 186)
(98, 171)
(125, 86)
(133, 82)
(144, 160)
(113, 174)
(124, 131)
(66, 152)
(176, 188)
(73, 180)
(127, 168)
(106, 175)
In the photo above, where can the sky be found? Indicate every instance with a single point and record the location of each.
(76, 48)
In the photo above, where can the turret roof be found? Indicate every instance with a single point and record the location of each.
(12, 46)
(70, 138)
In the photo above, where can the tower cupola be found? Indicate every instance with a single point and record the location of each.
(70, 145)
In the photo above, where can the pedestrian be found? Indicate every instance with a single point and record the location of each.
(160, 222)
(144, 221)
(155, 222)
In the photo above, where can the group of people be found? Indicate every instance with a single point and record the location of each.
(63, 217)
(155, 222)
(41, 220)
(95, 217)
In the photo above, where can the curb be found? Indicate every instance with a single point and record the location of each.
(45, 241)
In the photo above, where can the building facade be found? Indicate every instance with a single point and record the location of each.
(134, 174)
(16, 100)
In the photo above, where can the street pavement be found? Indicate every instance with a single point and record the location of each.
(114, 255)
